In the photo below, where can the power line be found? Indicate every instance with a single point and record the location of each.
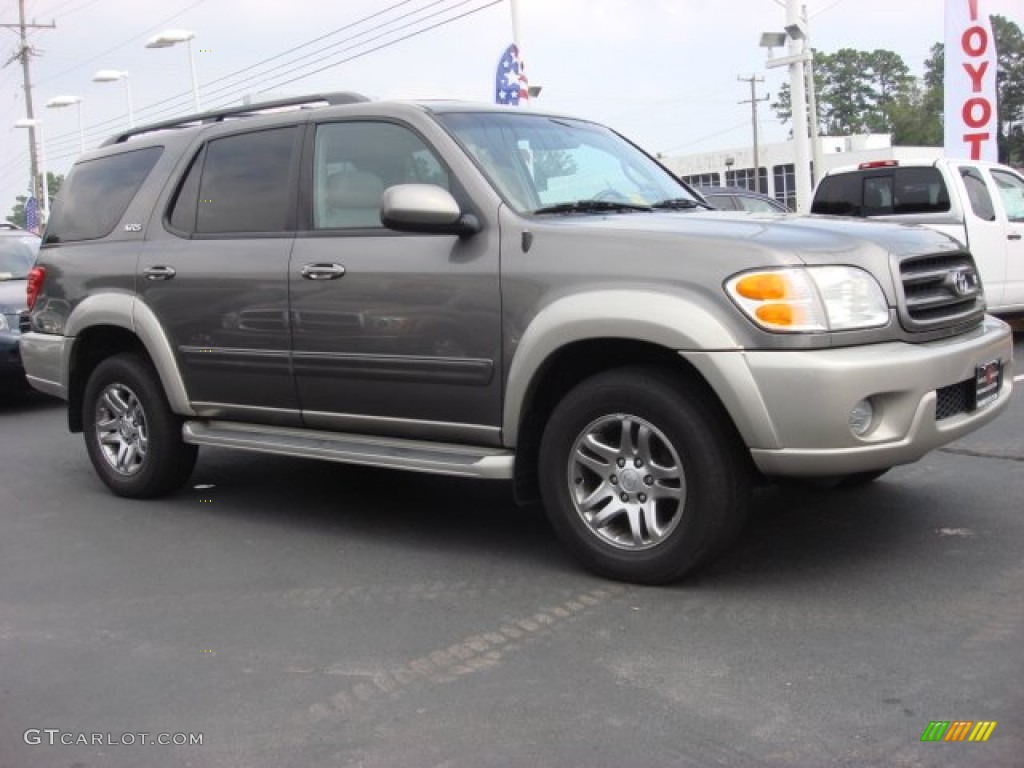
(175, 102)
(155, 110)
(123, 44)
(25, 53)
(389, 43)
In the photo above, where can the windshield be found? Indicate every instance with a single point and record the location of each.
(538, 163)
(17, 255)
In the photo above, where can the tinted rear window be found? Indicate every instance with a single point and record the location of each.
(97, 193)
(882, 192)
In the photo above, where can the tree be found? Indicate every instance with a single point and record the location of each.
(860, 91)
(17, 215)
(855, 90)
(1010, 89)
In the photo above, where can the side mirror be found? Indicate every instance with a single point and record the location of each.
(425, 208)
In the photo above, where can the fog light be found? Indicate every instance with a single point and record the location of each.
(860, 418)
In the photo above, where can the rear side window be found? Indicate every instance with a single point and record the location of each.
(238, 184)
(97, 193)
(839, 195)
(882, 192)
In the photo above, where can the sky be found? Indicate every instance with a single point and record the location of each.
(663, 72)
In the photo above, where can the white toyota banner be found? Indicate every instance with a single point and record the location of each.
(970, 80)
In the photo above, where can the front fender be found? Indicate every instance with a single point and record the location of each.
(657, 318)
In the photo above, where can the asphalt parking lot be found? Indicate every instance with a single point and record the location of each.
(292, 613)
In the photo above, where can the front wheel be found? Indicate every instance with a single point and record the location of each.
(132, 436)
(642, 475)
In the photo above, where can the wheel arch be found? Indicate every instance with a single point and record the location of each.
(107, 324)
(570, 365)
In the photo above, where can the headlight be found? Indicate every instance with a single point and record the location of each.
(810, 299)
(3, 322)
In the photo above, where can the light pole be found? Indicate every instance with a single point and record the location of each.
(67, 101)
(26, 122)
(113, 75)
(171, 37)
(812, 104)
(796, 34)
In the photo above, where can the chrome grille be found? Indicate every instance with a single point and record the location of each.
(940, 291)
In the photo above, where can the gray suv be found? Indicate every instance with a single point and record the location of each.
(493, 293)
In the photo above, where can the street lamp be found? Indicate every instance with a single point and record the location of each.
(26, 122)
(67, 101)
(113, 75)
(799, 56)
(171, 37)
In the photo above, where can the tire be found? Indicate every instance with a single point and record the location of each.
(133, 438)
(642, 475)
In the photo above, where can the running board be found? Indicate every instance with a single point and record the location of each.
(393, 453)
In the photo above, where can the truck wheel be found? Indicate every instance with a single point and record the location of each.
(133, 438)
(642, 476)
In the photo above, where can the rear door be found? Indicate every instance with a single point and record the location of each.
(217, 275)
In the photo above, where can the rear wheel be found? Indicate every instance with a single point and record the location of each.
(132, 436)
(642, 476)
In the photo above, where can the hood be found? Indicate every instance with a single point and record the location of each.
(781, 238)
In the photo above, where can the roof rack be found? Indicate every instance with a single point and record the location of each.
(245, 110)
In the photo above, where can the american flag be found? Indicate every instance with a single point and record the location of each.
(510, 84)
(31, 215)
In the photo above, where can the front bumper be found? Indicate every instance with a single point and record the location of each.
(796, 403)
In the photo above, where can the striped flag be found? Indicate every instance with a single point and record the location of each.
(510, 84)
(32, 215)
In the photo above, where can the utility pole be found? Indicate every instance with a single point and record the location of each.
(798, 101)
(817, 167)
(752, 101)
(24, 53)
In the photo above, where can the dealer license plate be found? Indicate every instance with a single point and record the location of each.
(987, 379)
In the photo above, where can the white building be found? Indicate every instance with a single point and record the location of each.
(735, 167)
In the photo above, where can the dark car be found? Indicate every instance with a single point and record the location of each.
(741, 199)
(18, 250)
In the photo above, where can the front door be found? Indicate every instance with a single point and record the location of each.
(393, 333)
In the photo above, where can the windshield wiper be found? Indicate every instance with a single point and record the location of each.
(592, 206)
(678, 204)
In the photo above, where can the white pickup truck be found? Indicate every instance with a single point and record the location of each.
(981, 204)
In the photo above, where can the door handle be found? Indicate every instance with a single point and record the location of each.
(159, 273)
(1014, 236)
(323, 271)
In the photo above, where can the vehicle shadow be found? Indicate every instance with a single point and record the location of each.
(22, 399)
(794, 534)
(367, 504)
